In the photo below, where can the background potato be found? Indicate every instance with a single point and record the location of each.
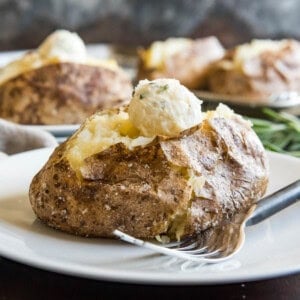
(62, 93)
(189, 65)
(258, 75)
(149, 190)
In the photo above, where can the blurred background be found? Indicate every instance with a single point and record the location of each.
(25, 23)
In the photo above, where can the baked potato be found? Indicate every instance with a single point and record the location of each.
(184, 59)
(113, 175)
(258, 69)
(59, 84)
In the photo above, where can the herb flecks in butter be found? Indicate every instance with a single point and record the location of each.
(163, 88)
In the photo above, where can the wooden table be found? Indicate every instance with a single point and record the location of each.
(21, 282)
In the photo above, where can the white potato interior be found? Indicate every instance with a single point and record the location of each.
(158, 52)
(99, 133)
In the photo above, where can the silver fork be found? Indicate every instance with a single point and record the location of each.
(222, 242)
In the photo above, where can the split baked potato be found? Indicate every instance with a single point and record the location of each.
(184, 59)
(258, 69)
(114, 174)
(59, 84)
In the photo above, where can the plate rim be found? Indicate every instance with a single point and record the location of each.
(243, 101)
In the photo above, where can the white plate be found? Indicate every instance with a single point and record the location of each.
(57, 130)
(276, 101)
(271, 249)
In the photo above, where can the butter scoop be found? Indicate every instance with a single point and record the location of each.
(63, 45)
(163, 107)
(60, 46)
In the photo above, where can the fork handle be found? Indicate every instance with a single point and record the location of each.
(275, 202)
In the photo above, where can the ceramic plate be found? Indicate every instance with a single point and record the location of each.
(271, 248)
(280, 101)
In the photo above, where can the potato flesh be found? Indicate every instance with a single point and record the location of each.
(101, 132)
(32, 60)
(156, 54)
(255, 48)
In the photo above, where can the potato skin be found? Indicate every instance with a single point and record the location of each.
(234, 164)
(141, 191)
(135, 191)
(62, 93)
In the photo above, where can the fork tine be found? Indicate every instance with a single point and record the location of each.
(196, 251)
(210, 253)
(181, 244)
(207, 254)
(172, 252)
(189, 247)
(172, 244)
(213, 245)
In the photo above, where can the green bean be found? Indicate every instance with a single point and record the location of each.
(280, 132)
(261, 123)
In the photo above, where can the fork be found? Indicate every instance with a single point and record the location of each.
(222, 242)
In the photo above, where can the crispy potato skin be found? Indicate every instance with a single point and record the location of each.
(231, 158)
(141, 191)
(63, 93)
(189, 67)
(135, 191)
